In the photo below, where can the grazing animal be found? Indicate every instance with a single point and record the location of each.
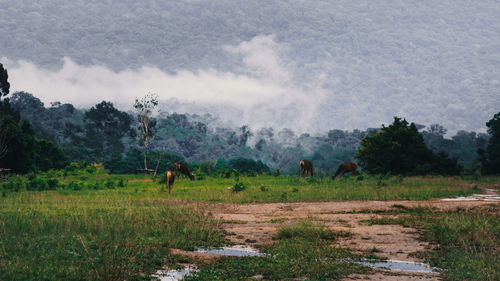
(306, 168)
(278, 172)
(169, 179)
(182, 168)
(346, 167)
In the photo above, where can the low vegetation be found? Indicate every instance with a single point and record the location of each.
(101, 236)
(465, 242)
(242, 189)
(301, 251)
(83, 223)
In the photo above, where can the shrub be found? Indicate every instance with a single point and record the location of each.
(74, 186)
(121, 184)
(14, 185)
(110, 184)
(37, 184)
(52, 184)
(284, 196)
(239, 186)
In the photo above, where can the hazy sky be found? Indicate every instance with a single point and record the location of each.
(307, 65)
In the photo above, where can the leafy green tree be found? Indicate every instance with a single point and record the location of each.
(105, 126)
(244, 165)
(49, 156)
(7, 131)
(21, 153)
(98, 136)
(491, 157)
(4, 83)
(400, 149)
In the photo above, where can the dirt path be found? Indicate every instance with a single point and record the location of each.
(257, 223)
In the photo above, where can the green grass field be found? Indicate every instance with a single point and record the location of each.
(256, 189)
(95, 226)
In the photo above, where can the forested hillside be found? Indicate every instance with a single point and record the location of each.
(105, 134)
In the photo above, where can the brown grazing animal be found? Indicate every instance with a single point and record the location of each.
(182, 168)
(306, 168)
(169, 179)
(346, 167)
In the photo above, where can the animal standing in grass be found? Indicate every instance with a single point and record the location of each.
(346, 167)
(169, 180)
(306, 168)
(182, 168)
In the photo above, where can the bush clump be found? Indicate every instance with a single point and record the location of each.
(239, 186)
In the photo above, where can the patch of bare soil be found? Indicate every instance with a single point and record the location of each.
(197, 258)
(257, 223)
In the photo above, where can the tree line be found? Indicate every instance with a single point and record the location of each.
(38, 138)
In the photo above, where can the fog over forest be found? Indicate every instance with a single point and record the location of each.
(311, 66)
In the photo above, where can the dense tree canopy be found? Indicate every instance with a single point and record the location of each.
(99, 134)
(105, 126)
(24, 152)
(491, 157)
(400, 149)
(4, 83)
(20, 150)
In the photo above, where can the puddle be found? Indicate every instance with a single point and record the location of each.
(237, 251)
(475, 197)
(396, 265)
(174, 274)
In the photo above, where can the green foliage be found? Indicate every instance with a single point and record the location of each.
(232, 168)
(121, 183)
(239, 186)
(4, 83)
(134, 159)
(301, 251)
(467, 245)
(24, 151)
(491, 157)
(243, 165)
(97, 237)
(466, 240)
(104, 127)
(400, 149)
(98, 136)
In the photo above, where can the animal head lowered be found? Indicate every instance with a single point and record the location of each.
(182, 168)
(346, 167)
(306, 168)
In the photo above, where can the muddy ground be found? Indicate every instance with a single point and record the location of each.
(256, 224)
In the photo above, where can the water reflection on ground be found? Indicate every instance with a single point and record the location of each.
(475, 197)
(174, 274)
(400, 266)
(236, 251)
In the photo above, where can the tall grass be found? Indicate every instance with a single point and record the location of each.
(94, 237)
(294, 189)
(466, 242)
(257, 189)
(95, 226)
(469, 245)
